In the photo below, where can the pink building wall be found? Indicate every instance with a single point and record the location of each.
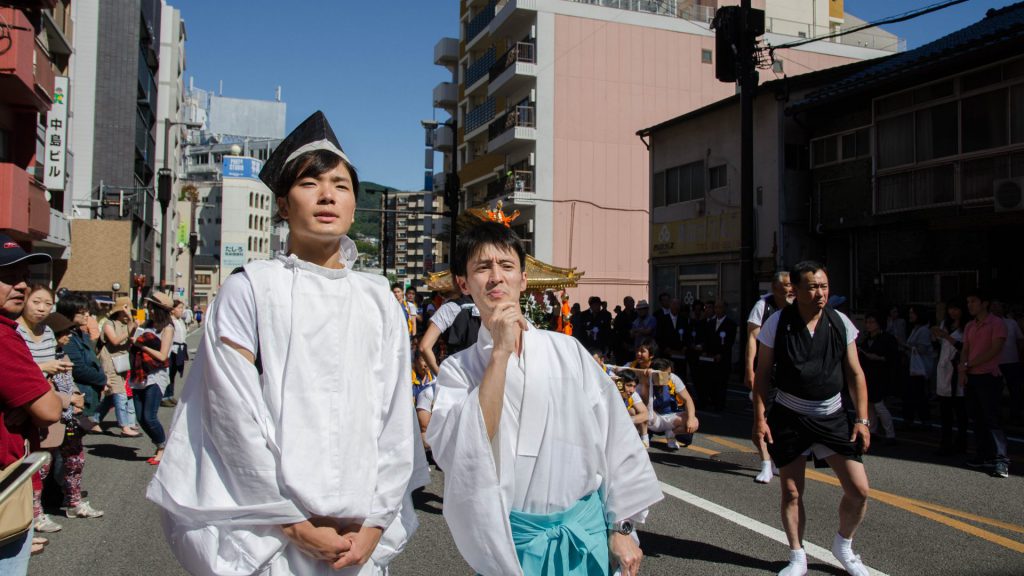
(612, 79)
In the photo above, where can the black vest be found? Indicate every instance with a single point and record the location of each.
(463, 331)
(806, 367)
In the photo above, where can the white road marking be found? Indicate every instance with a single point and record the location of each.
(813, 550)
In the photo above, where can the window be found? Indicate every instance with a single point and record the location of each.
(984, 120)
(681, 184)
(218, 220)
(705, 56)
(1016, 116)
(895, 141)
(917, 189)
(717, 177)
(202, 278)
(825, 150)
(936, 131)
(659, 189)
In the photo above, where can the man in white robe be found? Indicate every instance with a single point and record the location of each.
(294, 447)
(529, 431)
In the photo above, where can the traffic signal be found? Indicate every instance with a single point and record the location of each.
(163, 187)
(726, 25)
(736, 33)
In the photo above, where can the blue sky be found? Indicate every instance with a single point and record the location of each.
(369, 64)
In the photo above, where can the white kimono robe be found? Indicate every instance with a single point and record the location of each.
(563, 434)
(327, 430)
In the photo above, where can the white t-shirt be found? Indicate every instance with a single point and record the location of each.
(445, 315)
(236, 312)
(179, 330)
(767, 334)
(411, 307)
(425, 401)
(757, 312)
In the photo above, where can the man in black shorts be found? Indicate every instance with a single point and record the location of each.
(813, 349)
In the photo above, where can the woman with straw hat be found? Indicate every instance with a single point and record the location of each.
(149, 377)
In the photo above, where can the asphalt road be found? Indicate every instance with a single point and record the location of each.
(927, 515)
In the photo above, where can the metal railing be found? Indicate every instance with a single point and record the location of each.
(479, 22)
(525, 52)
(480, 68)
(480, 115)
(660, 7)
(863, 38)
(523, 115)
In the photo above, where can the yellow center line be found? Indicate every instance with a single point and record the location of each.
(911, 506)
(935, 512)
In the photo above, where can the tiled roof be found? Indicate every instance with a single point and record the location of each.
(1000, 26)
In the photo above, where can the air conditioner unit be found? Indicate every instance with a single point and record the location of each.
(1008, 194)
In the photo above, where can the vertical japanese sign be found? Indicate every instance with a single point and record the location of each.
(56, 136)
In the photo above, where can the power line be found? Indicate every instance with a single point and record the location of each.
(888, 20)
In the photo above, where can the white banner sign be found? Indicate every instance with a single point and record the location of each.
(56, 136)
(232, 256)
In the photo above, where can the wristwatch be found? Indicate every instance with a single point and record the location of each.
(625, 527)
(863, 421)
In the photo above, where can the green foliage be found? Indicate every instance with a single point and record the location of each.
(534, 312)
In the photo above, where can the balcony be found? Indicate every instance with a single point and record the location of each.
(511, 185)
(446, 96)
(514, 70)
(43, 71)
(510, 15)
(444, 140)
(60, 229)
(479, 23)
(446, 52)
(479, 117)
(22, 82)
(24, 208)
(518, 127)
(479, 70)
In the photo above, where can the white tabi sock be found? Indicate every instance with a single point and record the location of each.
(797, 564)
(765, 475)
(842, 549)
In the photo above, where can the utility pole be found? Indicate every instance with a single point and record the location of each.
(451, 188)
(736, 32)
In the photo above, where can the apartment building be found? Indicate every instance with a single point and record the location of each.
(34, 184)
(549, 94)
(408, 252)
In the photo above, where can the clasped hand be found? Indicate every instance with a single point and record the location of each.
(340, 546)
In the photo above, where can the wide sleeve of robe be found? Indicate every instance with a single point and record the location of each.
(473, 507)
(218, 482)
(630, 485)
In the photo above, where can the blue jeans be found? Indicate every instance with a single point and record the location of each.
(147, 405)
(15, 554)
(123, 409)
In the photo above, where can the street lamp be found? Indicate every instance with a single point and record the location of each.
(165, 182)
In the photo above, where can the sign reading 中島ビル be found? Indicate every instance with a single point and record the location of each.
(56, 136)
(232, 256)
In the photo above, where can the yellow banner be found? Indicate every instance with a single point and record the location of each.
(703, 235)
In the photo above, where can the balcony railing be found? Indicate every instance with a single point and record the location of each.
(662, 7)
(525, 52)
(480, 115)
(522, 115)
(479, 22)
(480, 68)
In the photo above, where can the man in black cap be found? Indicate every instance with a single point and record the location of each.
(299, 411)
(27, 401)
